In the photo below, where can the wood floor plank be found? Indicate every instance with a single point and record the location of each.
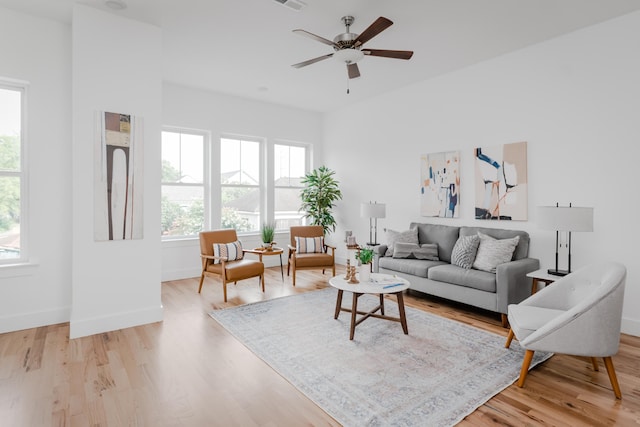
(189, 371)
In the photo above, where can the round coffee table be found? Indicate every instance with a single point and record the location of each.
(380, 284)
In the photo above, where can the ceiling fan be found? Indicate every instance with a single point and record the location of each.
(348, 46)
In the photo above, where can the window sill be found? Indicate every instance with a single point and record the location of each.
(17, 270)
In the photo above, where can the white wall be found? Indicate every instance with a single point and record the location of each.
(227, 115)
(574, 99)
(117, 67)
(39, 51)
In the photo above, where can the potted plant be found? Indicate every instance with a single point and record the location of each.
(365, 256)
(318, 197)
(267, 232)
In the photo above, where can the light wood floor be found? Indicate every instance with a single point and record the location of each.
(188, 371)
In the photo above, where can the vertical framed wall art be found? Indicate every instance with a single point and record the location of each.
(501, 182)
(118, 177)
(440, 184)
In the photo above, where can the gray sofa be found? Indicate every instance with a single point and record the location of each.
(489, 291)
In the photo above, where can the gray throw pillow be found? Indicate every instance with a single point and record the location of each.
(408, 236)
(404, 250)
(464, 251)
(493, 252)
(427, 251)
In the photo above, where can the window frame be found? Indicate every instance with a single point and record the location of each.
(307, 168)
(262, 176)
(206, 177)
(23, 174)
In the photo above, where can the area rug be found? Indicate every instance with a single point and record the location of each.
(436, 375)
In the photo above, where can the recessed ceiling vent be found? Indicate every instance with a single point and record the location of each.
(296, 5)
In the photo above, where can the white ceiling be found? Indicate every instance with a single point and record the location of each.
(246, 47)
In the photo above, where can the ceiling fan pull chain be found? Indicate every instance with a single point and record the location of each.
(347, 85)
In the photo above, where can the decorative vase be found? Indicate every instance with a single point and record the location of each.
(365, 273)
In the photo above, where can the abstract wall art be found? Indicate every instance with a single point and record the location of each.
(501, 182)
(118, 177)
(440, 184)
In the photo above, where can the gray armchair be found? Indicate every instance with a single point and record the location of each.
(579, 314)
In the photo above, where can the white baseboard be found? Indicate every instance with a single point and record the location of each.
(631, 327)
(22, 321)
(96, 325)
(180, 274)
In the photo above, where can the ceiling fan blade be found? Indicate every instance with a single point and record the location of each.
(315, 37)
(353, 70)
(397, 54)
(312, 61)
(373, 30)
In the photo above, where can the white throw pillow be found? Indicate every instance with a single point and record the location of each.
(232, 251)
(308, 245)
(493, 252)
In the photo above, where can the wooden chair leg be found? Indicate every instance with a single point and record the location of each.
(262, 280)
(525, 367)
(334, 269)
(293, 272)
(201, 280)
(224, 287)
(509, 339)
(594, 363)
(608, 362)
(505, 320)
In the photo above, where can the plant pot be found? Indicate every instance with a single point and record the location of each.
(365, 273)
(267, 246)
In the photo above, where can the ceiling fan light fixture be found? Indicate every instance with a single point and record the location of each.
(348, 56)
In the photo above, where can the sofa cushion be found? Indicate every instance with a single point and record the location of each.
(414, 251)
(522, 250)
(464, 252)
(469, 278)
(408, 236)
(493, 252)
(445, 236)
(416, 267)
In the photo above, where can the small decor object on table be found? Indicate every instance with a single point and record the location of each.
(365, 255)
(267, 234)
(352, 277)
(348, 275)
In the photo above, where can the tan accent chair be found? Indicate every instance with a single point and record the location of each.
(309, 261)
(579, 314)
(229, 271)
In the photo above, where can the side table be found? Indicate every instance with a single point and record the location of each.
(541, 276)
(264, 252)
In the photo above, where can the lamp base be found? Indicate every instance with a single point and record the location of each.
(558, 272)
(373, 244)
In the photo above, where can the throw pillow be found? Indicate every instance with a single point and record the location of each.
(404, 250)
(408, 236)
(232, 251)
(464, 251)
(427, 251)
(493, 252)
(308, 245)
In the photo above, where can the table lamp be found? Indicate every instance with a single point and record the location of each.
(373, 211)
(565, 219)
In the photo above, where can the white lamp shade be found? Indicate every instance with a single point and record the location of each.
(563, 218)
(372, 210)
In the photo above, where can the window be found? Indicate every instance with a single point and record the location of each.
(185, 189)
(240, 178)
(290, 167)
(202, 189)
(12, 170)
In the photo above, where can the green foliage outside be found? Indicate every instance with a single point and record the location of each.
(320, 191)
(9, 186)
